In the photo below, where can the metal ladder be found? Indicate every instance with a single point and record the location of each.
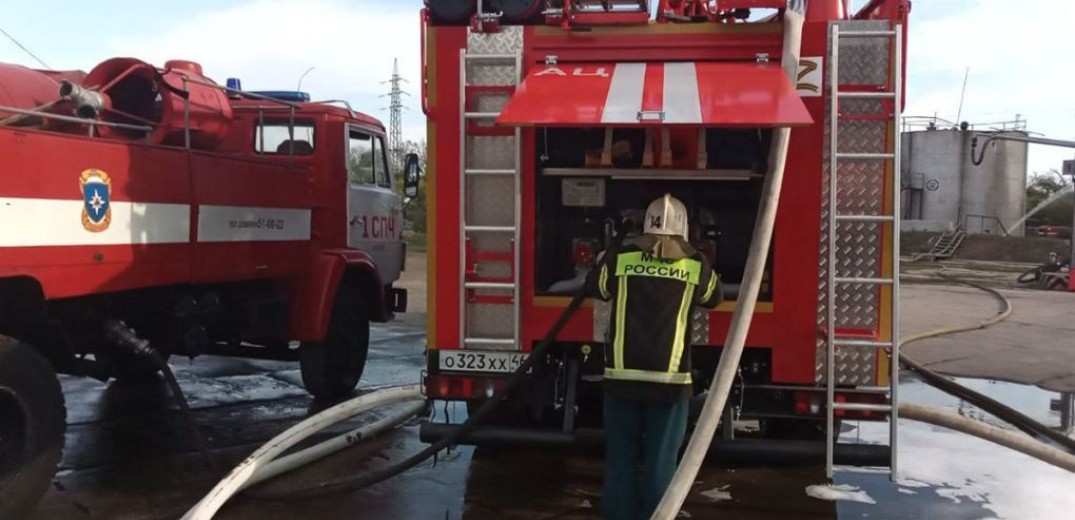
(844, 223)
(470, 283)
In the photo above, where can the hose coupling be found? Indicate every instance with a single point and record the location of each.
(122, 335)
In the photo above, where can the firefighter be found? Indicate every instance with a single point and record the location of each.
(654, 280)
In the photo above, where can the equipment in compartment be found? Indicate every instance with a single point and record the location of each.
(582, 204)
(582, 193)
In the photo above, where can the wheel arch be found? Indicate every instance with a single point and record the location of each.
(24, 317)
(317, 293)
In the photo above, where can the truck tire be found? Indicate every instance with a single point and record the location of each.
(332, 368)
(32, 423)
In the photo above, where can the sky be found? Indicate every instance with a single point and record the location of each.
(1016, 56)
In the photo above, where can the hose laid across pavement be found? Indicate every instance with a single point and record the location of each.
(335, 444)
(355, 482)
(1006, 438)
(259, 461)
(986, 403)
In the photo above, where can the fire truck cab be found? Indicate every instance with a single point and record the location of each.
(143, 204)
(554, 124)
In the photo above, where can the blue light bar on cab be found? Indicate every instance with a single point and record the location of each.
(285, 95)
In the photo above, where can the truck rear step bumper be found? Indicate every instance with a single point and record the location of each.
(740, 451)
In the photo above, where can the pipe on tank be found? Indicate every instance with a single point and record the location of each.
(172, 100)
(89, 104)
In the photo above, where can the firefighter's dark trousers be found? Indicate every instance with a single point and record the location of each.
(641, 454)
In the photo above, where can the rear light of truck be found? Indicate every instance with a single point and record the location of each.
(813, 403)
(462, 388)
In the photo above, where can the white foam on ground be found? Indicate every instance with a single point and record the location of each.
(719, 494)
(1007, 483)
(841, 492)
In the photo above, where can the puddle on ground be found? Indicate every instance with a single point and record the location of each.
(1030, 400)
(944, 474)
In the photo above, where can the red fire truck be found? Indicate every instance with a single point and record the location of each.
(551, 127)
(158, 204)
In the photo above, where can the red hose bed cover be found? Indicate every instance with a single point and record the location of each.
(728, 94)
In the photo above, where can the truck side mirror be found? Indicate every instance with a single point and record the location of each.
(412, 172)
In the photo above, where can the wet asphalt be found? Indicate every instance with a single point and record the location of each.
(128, 456)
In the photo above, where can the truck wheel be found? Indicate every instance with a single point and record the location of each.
(32, 423)
(331, 368)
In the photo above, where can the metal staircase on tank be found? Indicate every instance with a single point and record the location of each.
(944, 246)
(863, 230)
(490, 206)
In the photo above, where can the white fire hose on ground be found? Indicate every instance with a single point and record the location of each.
(262, 464)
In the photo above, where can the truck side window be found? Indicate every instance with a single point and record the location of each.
(380, 151)
(277, 138)
(360, 162)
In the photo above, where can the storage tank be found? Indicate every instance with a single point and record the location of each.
(996, 188)
(25, 88)
(943, 189)
(932, 170)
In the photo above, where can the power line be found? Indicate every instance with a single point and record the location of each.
(23, 47)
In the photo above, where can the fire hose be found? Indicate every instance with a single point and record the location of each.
(760, 242)
(258, 467)
(360, 481)
(261, 465)
(986, 403)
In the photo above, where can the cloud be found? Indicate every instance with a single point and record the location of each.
(269, 44)
(1014, 56)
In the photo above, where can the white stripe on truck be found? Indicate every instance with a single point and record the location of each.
(30, 222)
(624, 99)
(246, 224)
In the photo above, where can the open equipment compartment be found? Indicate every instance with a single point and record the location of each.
(583, 207)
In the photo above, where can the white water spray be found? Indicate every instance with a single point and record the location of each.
(1056, 196)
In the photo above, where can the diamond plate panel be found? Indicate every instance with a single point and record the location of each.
(509, 40)
(485, 74)
(491, 152)
(861, 191)
(492, 102)
(602, 316)
(864, 61)
(491, 321)
(490, 200)
(699, 326)
(491, 243)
